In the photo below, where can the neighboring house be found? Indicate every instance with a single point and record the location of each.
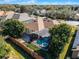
(1, 13)
(75, 47)
(9, 12)
(20, 16)
(9, 16)
(73, 23)
(43, 11)
(40, 12)
(77, 16)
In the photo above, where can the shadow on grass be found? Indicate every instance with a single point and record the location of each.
(20, 50)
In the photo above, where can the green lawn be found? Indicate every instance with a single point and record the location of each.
(39, 51)
(32, 46)
(20, 51)
(13, 52)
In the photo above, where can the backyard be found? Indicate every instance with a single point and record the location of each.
(14, 51)
(46, 54)
(41, 52)
(19, 50)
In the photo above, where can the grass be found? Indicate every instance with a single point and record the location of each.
(32, 46)
(41, 52)
(22, 53)
(63, 53)
(14, 51)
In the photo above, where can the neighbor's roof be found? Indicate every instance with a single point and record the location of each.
(76, 41)
(25, 17)
(72, 22)
(1, 13)
(9, 12)
(19, 16)
(9, 16)
(16, 16)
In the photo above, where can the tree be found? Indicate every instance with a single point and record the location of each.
(22, 9)
(13, 28)
(59, 36)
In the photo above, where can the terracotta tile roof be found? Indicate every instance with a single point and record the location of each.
(33, 26)
(48, 23)
(5, 12)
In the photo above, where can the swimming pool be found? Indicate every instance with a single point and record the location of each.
(43, 42)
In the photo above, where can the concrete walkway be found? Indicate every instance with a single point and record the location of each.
(40, 24)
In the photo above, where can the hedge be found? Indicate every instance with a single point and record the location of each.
(63, 53)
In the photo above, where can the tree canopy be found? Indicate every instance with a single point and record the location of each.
(13, 28)
(59, 37)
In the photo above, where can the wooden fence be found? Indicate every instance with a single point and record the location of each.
(27, 49)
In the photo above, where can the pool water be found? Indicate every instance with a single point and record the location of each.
(43, 42)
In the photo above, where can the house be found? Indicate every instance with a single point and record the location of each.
(72, 23)
(19, 16)
(43, 33)
(38, 24)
